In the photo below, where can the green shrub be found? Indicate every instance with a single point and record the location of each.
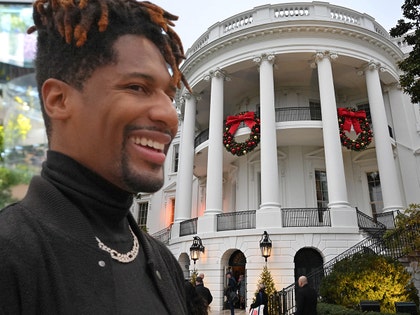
(331, 309)
(368, 277)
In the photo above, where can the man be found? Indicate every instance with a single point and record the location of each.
(306, 298)
(203, 291)
(71, 246)
(230, 292)
(241, 291)
(261, 299)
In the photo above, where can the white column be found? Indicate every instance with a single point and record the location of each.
(214, 190)
(341, 213)
(337, 190)
(269, 213)
(214, 187)
(407, 141)
(387, 169)
(186, 161)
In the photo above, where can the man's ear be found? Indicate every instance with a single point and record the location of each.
(55, 94)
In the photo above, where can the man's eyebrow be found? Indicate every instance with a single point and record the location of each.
(140, 75)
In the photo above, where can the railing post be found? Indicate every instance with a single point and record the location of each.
(284, 302)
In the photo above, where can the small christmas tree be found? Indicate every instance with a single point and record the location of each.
(194, 275)
(270, 289)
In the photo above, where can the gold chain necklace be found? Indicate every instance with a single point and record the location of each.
(123, 258)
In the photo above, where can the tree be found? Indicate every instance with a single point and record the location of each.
(408, 224)
(368, 277)
(270, 289)
(409, 80)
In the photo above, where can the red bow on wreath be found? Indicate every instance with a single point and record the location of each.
(352, 118)
(234, 121)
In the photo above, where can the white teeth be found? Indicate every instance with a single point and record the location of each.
(149, 143)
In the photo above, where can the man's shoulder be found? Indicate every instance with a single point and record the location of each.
(12, 219)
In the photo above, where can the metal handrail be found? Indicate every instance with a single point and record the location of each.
(188, 227)
(395, 245)
(306, 217)
(163, 235)
(238, 220)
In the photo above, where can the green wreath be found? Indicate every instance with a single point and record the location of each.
(348, 117)
(232, 125)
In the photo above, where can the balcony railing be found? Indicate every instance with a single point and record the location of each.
(305, 217)
(368, 224)
(286, 13)
(282, 114)
(188, 227)
(238, 220)
(163, 235)
(297, 113)
(202, 137)
(388, 218)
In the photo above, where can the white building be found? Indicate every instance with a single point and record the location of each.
(294, 66)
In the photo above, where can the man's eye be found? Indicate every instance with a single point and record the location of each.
(136, 87)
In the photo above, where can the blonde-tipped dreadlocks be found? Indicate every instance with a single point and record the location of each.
(74, 19)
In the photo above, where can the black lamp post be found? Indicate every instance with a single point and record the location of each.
(265, 246)
(196, 248)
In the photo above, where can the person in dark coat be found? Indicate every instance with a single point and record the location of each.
(230, 292)
(261, 298)
(203, 291)
(306, 298)
(195, 303)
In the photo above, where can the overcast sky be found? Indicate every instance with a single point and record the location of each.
(195, 17)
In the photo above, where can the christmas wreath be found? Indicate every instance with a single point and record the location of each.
(232, 125)
(348, 117)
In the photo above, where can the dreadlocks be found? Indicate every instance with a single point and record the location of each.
(76, 36)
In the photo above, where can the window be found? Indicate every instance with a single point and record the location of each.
(175, 158)
(375, 193)
(171, 211)
(315, 110)
(366, 108)
(143, 210)
(321, 189)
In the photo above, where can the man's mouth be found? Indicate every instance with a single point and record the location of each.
(145, 142)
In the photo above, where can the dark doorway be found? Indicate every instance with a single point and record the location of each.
(308, 261)
(237, 263)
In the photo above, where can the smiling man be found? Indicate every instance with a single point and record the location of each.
(71, 246)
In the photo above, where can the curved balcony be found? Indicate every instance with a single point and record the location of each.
(287, 12)
(283, 114)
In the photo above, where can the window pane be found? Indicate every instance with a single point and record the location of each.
(321, 189)
(143, 209)
(375, 192)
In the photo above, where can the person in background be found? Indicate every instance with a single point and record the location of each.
(306, 298)
(230, 292)
(203, 291)
(195, 302)
(261, 298)
(241, 291)
(107, 72)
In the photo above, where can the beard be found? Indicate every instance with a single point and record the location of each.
(137, 182)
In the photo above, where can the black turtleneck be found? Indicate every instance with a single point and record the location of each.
(106, 207)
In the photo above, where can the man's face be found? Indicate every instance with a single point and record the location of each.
(123, 120)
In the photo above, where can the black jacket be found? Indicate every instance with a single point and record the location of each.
(306, 301)
(49, 260)
(261, 298)
(204, 292)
